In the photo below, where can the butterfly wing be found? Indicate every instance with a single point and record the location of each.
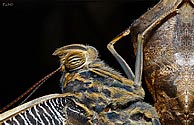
(58, 109)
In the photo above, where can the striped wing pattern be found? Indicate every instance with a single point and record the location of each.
(59, 109)
(47, 112)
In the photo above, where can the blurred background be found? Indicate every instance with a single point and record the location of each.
(32, 30)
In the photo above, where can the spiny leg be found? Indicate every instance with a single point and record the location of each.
(141, 39)
(120, 60)
(124, 65)
(161, 19)
(139, 54)
(139, 61)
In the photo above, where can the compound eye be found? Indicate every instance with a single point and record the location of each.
(74, 60)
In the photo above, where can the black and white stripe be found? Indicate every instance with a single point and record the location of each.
(53, 109)
(49, 112)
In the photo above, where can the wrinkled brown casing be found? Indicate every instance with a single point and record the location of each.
(169, 59)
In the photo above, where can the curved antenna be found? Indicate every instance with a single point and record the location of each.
(31, 89)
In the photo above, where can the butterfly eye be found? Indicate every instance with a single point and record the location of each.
(75, 60)
(75, 56)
